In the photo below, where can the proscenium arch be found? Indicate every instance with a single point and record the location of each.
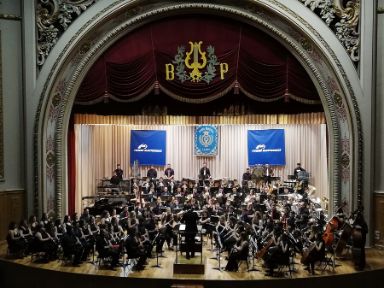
(67, 72)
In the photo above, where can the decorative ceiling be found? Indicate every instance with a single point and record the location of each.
(53, 17)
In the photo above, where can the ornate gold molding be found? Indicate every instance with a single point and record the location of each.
(342, 17)
(53, 17)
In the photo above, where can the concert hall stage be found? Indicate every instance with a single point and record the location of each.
(24, 273)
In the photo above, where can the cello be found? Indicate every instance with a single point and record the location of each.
(305, 259)
(331, 226)
(264, 250)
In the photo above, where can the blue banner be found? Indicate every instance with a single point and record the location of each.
(148, 147)
(266, 147)
(206, 140)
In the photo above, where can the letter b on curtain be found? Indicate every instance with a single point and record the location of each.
(266, 147)
(148, 147)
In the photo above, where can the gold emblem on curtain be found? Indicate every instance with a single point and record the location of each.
(202, 67)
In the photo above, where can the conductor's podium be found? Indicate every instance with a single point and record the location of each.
(194, 265)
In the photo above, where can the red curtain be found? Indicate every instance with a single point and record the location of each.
(260, 66)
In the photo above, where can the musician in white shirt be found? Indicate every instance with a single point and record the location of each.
(268, 173)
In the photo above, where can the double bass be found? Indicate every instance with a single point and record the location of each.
(344, 237)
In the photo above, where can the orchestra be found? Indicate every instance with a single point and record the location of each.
(233, 216)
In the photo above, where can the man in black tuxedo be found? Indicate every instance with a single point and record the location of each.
(152, 173)
(204, 172)
(190, 219)
(169, 172)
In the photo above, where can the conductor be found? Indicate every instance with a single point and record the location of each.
(190, 219)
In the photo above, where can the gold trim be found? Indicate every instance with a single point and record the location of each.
(10, 17)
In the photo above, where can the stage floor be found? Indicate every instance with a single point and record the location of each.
(375, 260)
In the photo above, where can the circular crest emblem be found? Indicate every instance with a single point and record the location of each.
(206, 138)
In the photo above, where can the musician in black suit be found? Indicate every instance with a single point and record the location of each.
(238, 252)
(297, 170)
(204, 172)
(268, 173)
(152, 173)
(117, 175)
(169, 172)
(316, 252)
(360, 230)
(247, 176)
(190, 219)
(72, 246)
(135, 249)
(119, 172)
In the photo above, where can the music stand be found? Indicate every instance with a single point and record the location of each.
(157, 252)
(254, 252)
(93, 262)
(219, 251)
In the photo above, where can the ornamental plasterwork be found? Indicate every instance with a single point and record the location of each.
(343, 19)
(53, 18)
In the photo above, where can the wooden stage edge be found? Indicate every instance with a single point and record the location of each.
(23, 273)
